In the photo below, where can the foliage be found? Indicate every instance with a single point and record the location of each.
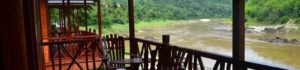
(272, 11)
(297, 20)
(116, 11)
(124, 28)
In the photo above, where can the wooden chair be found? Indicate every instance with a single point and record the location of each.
(114, 51)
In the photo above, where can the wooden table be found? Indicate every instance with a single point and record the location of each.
(133, 62)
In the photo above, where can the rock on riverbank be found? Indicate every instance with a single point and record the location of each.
(271, 29)
(288, 27)
(281, 40)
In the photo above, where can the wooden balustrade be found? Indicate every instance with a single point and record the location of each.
(87, 51)
(156, 56)
(173, 57)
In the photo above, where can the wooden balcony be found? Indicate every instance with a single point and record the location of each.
(21, 45)
(155, 55)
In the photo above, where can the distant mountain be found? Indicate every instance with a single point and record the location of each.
(183, 9)
(179, 9)
(116, 11)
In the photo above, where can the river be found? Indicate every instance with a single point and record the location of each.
(214, 37)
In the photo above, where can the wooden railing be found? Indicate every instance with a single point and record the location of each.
(60, 37)
(156, 56)
(87, 51)
(75, 34)
(171, 57)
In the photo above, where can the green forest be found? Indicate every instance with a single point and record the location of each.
(113, 12)
(116, 11)
(272, 11)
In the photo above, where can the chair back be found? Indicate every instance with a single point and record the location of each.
(113, 47)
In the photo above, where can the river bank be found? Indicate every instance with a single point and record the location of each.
(289, 27)
(142, 26)
(276, 30)
(123, 29)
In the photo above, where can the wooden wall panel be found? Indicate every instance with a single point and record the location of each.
(13, 44)
(44, 21)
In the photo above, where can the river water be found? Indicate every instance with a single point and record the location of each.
(216, 38)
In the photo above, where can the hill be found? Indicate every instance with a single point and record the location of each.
(272, 11)
(116, 11)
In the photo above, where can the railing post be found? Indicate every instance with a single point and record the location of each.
(164, 53)
(166, 39)
(94, 31)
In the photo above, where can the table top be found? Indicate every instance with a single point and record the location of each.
(128, 61)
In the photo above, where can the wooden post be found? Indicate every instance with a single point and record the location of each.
(99, 18)
(164, 54)
(64, 18)
(13, 36)
(85, 16)
(19, 42)
(39, 62)
(94, 31)
(44, 26)
(77, 12)
(74, 18)
(133, 43)
(60, 17)
(167, 53)
(99, 23)
(166, 39)
(238, 34)
(69, 26)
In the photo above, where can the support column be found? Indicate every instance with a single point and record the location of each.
(44, 23)
(19, 42)
(64, 19)
(13, 36)
(69, 26)
(238, 34)
(69, 17)
(99, 18)
(60, 18)
(78, 24)
(133, 43)
(85, 16)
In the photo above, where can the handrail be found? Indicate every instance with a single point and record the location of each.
(70, 41)
(217, 57)
(248, 64)
(207, 54)
(74, 37)
(148, 41)
(202, 53)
